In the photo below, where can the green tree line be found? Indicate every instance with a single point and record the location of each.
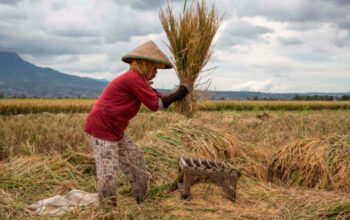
(321, 97)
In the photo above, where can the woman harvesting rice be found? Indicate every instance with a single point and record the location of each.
(119, 102)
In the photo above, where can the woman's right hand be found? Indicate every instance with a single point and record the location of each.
(188, 85)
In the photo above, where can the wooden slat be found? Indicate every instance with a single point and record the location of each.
(182, 163)
(193, 164)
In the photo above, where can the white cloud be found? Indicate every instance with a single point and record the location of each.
(257, 86)
(238, 31)
(287, 46)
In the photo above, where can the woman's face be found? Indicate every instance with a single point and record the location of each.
(152, 73)
(154, 69)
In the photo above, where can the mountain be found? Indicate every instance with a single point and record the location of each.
(19, 77)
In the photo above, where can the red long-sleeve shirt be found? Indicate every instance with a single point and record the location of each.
(119, 102)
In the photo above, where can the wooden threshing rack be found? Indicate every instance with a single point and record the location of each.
(191, 170)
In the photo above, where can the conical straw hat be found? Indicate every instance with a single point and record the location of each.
(148, 51)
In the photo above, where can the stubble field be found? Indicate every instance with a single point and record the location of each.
(294, 164)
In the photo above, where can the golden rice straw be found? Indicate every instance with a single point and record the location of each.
(208, 142)
(316, 163)
(190, 38)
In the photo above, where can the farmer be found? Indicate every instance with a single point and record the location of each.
(109, 117)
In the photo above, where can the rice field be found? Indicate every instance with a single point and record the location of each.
(28, 105)
(294, 162)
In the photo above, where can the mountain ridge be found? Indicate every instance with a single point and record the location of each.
(19, 78)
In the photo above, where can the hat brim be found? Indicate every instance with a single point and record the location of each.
(130, 58)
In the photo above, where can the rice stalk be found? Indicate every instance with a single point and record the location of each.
(205, 142)
(315, 163)
(190, 36)
(252, 161)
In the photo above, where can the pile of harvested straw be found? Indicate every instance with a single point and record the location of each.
(206, 142)
(190, 38)
(319, 163)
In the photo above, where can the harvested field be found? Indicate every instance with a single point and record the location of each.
(45, 154)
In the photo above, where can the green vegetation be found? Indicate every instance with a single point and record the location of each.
(29, 105)
(321, 97)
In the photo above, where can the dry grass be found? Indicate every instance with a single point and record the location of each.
(44, 171)
(202, 141)
(190, 36)
(48, 133)
(320, 163)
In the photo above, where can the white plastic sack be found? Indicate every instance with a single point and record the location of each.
(58, 205)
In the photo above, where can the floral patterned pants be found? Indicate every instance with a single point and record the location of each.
(126, 155)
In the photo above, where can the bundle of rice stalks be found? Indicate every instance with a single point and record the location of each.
(319, 163)
(204, 142)
(252, 161)
(190, 38)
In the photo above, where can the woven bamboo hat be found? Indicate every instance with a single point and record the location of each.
(148, 51)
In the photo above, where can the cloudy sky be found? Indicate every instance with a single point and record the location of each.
(262, 45)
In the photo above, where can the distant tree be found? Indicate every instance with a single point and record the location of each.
(1, 95)
(314, 98)
(22, 96)
(329, 98)
(345, 97)
(297, 97)
(255, 98)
